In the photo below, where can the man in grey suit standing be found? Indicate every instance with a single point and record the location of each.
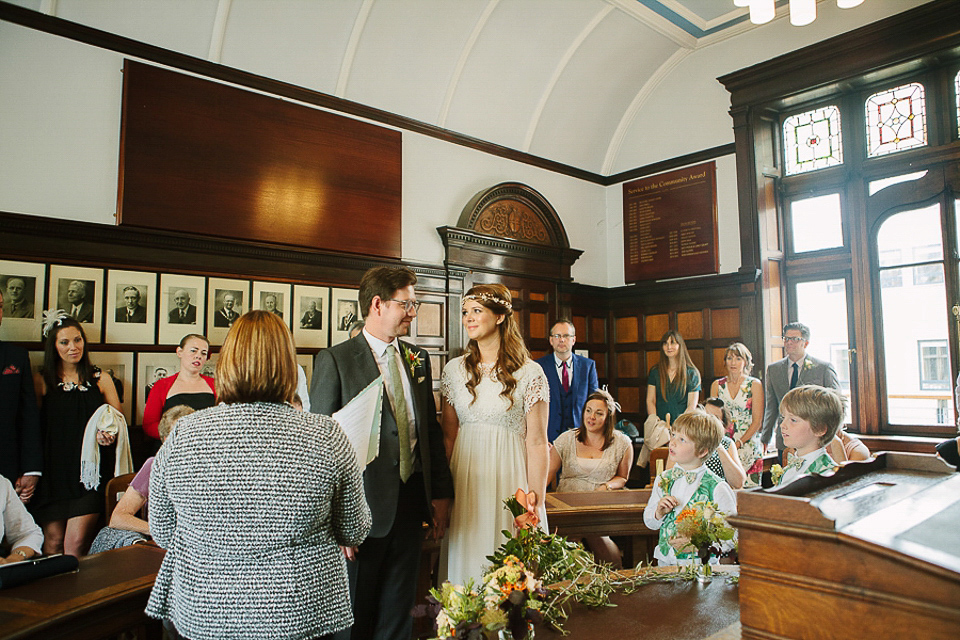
(409, 482)
(796, 369)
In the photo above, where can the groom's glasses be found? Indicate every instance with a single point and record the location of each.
(408, 305)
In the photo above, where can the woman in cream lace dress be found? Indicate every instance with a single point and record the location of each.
(494, 418)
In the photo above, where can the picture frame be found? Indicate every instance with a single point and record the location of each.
(227, 300)
(150, 368)
(22, 317)
(279, 293)
(131, 307)
(79, 292)
(345, 307)
(305, 360)
(183, 304)
(310, 315)
(120, 365)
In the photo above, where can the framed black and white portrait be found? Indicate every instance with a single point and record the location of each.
(150, 368)
(311, 313)
(227, 300)
(22, 286)
(131, 307)
(119, 365)
(346, 312)
(79, 292)
(183, 301)
(273, 297)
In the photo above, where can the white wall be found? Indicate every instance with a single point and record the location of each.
(59, 142)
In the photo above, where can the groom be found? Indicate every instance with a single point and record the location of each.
(409, 482)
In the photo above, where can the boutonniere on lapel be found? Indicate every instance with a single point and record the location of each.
(414, 360)
(807, 364)
(776, 473)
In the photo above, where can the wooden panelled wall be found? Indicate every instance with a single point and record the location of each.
(622, 328)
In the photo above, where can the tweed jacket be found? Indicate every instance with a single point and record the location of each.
(812, 371)
(251, 501)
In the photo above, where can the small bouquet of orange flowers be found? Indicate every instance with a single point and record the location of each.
(706, 527)
(509, 598)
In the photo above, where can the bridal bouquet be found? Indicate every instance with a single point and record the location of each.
(509, 599)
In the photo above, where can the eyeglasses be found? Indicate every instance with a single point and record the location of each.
(787, 339)
(408, 305)
(562, 336)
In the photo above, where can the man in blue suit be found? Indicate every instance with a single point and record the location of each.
(571, 377)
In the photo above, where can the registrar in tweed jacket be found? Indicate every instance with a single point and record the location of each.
(251, 502)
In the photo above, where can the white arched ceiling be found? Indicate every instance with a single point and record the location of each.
(602, 85)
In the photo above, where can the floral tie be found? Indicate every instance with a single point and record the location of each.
(689, 476)
(795, 463)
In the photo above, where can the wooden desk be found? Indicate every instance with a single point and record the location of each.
(603, 513)
(104, 598)
(661, 610)
(870, 552)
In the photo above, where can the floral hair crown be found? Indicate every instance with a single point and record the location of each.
(52, 318)
(489, 297)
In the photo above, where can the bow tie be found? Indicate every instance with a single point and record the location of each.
(795, 463)
(689, 476)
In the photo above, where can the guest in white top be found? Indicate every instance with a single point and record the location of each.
(594, 457)
(811, 417)
(20, 537)
(694, 437)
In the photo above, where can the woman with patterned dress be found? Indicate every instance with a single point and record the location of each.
(70, 390)
(742, 396)
(494, 419)
(251, 499)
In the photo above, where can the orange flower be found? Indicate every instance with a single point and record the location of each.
(529, 519)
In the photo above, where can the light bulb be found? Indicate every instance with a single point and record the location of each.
(802, 12)
(848, 4)
(762, 11)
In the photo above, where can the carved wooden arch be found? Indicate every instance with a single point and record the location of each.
(514, 210)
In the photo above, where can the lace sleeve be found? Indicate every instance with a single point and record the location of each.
(447, 381)
(537, 389)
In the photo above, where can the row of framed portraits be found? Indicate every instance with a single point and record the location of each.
(138, 307)
(135, 373)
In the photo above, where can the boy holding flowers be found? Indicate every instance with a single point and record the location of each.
(693, 438)
(811, 417)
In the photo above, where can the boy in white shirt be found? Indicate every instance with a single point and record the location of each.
(811, 417)
(694, 436)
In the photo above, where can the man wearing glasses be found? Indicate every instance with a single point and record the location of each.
(798, 368)
(409, 482)
(571, 378)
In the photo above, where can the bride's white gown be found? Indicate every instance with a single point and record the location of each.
(489, 464)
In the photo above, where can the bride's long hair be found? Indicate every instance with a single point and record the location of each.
(513, 352)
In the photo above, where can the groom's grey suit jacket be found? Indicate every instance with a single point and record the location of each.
(343, 371)
(812, 371)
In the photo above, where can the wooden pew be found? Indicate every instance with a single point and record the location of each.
(104, 598)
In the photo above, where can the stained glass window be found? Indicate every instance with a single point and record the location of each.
(896, 120)
(812, 140)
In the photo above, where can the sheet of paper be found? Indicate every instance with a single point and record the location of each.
(360, 420)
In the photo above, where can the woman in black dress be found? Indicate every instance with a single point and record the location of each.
(70, 389)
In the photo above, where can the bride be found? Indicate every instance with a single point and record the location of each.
(494, 417)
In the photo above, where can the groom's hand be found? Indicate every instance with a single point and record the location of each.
(441, 517)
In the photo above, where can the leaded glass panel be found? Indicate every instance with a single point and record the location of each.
(896, 120)
(812, 140)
